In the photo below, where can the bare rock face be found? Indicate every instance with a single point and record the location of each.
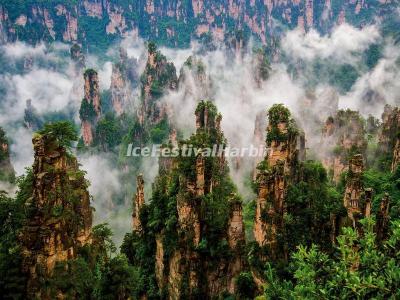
(342, 136)
(87, 132)
(138, 204)
(275, 173)
(60, 217)
(92, 93)
(90, 110)
(119, 93)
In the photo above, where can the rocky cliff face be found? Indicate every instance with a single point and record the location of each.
(357, 201)
(59, 214)
(119, 83)
(342, 136)
(159, 75)
(90, 110)
(276, 171)
(353, 199)
(119, 92)
(138, 203)
(7, 172)
(388, 138)
(86, 20)
(92, 94)
(203, 215)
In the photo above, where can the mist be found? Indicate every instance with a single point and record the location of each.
(53, 87)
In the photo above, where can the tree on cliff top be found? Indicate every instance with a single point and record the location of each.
(62, 132)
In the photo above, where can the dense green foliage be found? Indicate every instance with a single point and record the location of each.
(108, 132)
(159, 217)
(62, 132)
(277, 114)
(178, 24)
(12, 215)
(360, 269)
(310, 202)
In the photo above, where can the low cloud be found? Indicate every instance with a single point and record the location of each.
(49, 91)
(233, 90)
(377, 87)
(105, 187)
(343, 44)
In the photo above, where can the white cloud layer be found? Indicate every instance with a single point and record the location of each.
(233, 90)
(343, 44)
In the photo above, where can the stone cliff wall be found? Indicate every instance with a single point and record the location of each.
(60, 216)
(90, 110)
(198, 18)
(343, 136)
(159, 76)
(189, 268)
(275, 172)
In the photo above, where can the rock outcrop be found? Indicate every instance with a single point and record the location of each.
(119, 92)
(77, 57)
(119, 83)
(194, 80)
(32, 119)
(177, 23)
(275, 173)
(60, 217)
(357, 201)
(90, 110)
(261, 66)
(138, 203)
(92, 92)
(202, 215)
(388, 137)
(7, 172)
(354, 192)
(159, 76)
(342, 136)
(396, 155)
(382, 218)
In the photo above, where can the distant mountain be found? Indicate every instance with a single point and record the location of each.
(97, 23)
